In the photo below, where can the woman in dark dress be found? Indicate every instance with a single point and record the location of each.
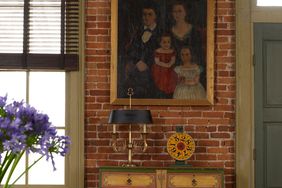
(183, 32)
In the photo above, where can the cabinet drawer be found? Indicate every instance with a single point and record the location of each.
(128, 179)
(200, 180)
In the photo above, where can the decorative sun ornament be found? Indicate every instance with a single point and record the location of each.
(180, 146)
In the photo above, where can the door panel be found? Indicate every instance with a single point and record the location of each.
(273, 154)
(268, 105)
(273, 72)
(272, 114)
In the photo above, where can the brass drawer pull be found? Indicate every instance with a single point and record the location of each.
(194, 182)
(129, 181)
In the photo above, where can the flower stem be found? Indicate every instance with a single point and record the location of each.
(25, 171)
(16, 161)
(3, 164)
(7, 162)
(4, 161)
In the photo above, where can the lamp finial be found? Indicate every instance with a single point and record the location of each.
(130, 93)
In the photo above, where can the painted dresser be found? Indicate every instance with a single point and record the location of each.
(174, 177)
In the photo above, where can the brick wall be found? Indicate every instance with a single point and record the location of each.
(212, 127)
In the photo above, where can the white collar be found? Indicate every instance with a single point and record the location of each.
(152, 27)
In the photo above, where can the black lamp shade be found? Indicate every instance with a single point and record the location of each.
(130, 117)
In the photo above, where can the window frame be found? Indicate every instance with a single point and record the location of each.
(75, 116)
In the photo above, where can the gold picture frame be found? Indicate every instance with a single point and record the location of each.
(126, 16)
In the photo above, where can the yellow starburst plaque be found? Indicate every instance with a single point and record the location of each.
(180, 146)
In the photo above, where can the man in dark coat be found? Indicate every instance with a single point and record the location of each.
(141, 55)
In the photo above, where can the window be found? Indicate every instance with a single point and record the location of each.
(39, 46)
(46, 92)
(56, 94)
(269, 3)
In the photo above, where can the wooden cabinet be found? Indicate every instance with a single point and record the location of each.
(174, 177)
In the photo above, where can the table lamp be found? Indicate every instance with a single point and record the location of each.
(130, 117)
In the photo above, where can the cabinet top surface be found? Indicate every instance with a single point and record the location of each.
(169, 169)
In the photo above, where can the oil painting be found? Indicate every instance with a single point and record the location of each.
(164, 51)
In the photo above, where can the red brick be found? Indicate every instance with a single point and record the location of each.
(96, 156)
(208, 143)
(97, 45)
(213, 114)
(217, 150)
(221, 121)
(103, 99)
(169, 114)
(225, 59)
(205, 128)
(103, 24)
(99, 92)
(214, 164)
(205, 157)
(153, 163)
(199, 135)
(107, 163)
(221, 39)
(226, 32)
(225, 128)
(220, 135)
(198, 121)
(117, 156)
(227, 143)
(226, 94)
(200, 150)
(226, 157)
(220, 87)
(97, 4)
(175, 121)
(105, 150)
(229, 164)
(161, 157)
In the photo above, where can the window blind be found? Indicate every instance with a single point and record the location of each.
(39, 34)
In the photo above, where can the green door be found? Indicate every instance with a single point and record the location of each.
(268, 105)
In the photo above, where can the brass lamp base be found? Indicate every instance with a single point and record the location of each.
(129, 165)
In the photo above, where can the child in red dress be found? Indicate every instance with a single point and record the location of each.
(162, 70)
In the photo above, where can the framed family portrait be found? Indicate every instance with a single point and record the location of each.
(163, 51)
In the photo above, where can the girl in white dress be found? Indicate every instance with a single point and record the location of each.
(188, 73)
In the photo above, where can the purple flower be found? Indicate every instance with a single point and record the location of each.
(3, 101)
(24, 129)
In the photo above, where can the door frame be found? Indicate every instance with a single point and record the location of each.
(246, 15)
(244, 97)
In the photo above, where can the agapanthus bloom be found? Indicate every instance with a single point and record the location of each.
(24, 129)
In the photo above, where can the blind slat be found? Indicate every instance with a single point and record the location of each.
(43, 34)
